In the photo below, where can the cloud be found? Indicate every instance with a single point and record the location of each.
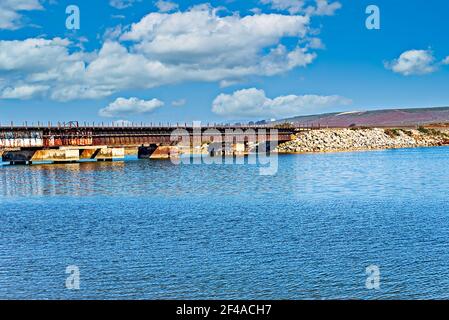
(41, 67)
(32, 55)
(200, 31)
(324, 8)
(217, 48)
(22, 92)
(446, 61)
(413, 62)
(113, 33)
(10, 12)
(320, 7)
(316, 43)
(162, 48)
(292, 6)
(166, 6)
(179, 103)
(122, 106)
(121, 4)
(229, 83)
(250, 103)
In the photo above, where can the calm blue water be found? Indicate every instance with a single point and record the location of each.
(154, 230)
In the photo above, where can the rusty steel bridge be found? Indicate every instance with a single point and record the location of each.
(63, 135)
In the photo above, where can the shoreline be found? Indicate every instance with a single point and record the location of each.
(363, 139)
(357, 150)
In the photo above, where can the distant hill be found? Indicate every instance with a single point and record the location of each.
(379, 118)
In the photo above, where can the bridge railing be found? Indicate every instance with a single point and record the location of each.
(75, 124)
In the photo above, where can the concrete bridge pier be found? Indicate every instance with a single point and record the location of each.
(227, 149)
(155, 151)
(62, 155)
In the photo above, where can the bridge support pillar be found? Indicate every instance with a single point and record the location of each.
(111, 154)
(154, 151)
(39, 156)
(63, 155)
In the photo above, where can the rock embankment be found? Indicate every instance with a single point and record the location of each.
(334, 140)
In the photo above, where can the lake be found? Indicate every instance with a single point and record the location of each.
(149, 229)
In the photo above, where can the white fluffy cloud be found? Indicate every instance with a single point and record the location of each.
(23, 92)
(33, 55)
(324, 8)
(250, 103)
(10, 12)
(319, 7)
(200, 35)
(413, 62)
(122, 106)
(37, 67)
(162, 48)
(166, 6)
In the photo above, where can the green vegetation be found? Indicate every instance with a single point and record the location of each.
(432, 132)
(393, 133)
(285, 125)
(423, 130)
(354, 127)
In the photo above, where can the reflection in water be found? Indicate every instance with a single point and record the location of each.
(75, 179)
(134, 178)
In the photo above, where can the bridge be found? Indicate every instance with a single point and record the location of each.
(72, 143)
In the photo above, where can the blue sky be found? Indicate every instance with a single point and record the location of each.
(219, 60)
